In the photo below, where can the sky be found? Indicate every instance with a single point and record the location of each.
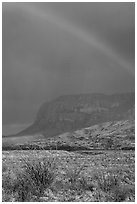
(55, 48)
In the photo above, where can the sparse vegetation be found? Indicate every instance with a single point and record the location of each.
(118, 135)
(35, 178)
(93, 164)
(111, 184)
(107, 181)
(44, 176)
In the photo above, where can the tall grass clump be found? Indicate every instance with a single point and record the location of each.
(32, 181)
(113, 188)
(107, 181)
(76, 180)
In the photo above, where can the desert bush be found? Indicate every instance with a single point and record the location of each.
(85, 184)
(33, 180)
(6, 196)
(74, 173)
(7, 183)
(76, 180)
(122, 192)
(114, 189)
(106, 181)
(4, 168)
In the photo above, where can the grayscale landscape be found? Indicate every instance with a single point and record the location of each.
(68, 102)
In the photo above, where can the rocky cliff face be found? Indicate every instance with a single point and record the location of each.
(72, 112)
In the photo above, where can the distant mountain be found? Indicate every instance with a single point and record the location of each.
(71, 112)
(109, 135)
(105, 136)
(118, 135)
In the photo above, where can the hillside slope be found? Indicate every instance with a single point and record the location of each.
(118, 135)
(72, 112)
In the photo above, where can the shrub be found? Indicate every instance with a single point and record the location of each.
(33, 180)
(122, 192)
(77, 181)
(114, 189)
(74, 173)
(4, 168)
(107, 181)
(6, 181)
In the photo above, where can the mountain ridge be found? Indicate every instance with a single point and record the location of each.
(71, 112)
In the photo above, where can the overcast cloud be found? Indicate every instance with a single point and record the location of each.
(50, 49)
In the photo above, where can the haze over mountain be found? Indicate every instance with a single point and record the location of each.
(52, 49)
(72, 112)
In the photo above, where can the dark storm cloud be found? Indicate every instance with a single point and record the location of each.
(51, 49)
